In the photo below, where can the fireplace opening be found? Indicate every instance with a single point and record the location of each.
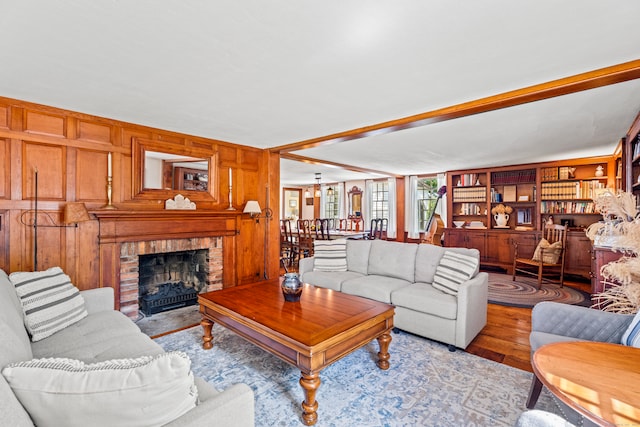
(167, 281)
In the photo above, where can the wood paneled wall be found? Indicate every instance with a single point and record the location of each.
(70, 150)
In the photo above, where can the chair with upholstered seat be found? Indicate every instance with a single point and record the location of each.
(547, 258)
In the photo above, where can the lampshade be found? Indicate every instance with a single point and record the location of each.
(330, 192)
(75, 212)
(252, 207)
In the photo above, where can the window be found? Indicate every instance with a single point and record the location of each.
(427, 197)
(331, 202)
(380, 199)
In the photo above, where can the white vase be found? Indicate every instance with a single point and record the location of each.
(501, 219)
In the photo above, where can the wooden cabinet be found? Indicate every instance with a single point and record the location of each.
(495, 246)
(466, 239)
(600, 256)
(499, 249)
(561, 191)
(578, 256)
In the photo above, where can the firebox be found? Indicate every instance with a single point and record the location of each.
(167, 281)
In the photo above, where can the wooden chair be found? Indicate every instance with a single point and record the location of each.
(288, 252)
(322, 229)
(378, 228)
(304, 244)
(548, 257)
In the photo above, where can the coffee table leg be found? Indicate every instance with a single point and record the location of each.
(310, 384)
(207, 337)
(383, 355)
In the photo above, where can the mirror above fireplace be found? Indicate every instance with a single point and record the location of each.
(161, 170)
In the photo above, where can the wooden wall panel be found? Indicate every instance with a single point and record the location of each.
(228, 156)
(94, 132)
(250, 159)
(70, 151)
(91, 164)
(5, 172)
(44, 123)
(49, 161)
(4, 116)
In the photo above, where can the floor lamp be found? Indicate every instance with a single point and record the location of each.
(74, 212)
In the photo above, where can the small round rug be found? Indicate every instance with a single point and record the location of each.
(523, 293)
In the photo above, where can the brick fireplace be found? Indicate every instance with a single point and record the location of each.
(130, 253)
(126, 235)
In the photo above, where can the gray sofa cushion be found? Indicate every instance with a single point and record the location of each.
(428, 257)
(332, 280)
(424, 298)
(378, 288)
(358, 255)
(393, 259)
(90, 331)
(13, 336)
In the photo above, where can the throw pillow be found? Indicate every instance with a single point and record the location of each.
(49, 300)
(453, 270)
(146, 391)
(631, 336)
(550, 251)
(330, 255)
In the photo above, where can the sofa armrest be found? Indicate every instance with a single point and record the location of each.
(305, 265)
(99, 299)
(232, 407)
(578, 322)
(472, 308)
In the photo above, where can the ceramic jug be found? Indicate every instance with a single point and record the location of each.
(501, 219)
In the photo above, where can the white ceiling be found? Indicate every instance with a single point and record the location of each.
(266, 74)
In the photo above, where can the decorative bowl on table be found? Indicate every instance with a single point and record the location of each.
(458, 224)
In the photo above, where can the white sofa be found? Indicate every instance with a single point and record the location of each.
(402, 274)
(104, 334)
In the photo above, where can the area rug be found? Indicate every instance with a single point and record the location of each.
(523, 292)
(426, 384)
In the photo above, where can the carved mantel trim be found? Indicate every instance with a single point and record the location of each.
(118, 226)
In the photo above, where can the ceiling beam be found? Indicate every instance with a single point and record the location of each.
(313, 161)
(577, 83)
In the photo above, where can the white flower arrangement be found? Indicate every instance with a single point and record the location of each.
(621, 226)
(501, 209)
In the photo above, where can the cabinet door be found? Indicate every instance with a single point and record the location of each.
(477, 240)
(454, 238)
(526, 242)
(499, 249)
(578, 256)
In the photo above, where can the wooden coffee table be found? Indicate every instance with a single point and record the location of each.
(311, 334)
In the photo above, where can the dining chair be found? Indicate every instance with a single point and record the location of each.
(378, 228)
(322, 229)
(304, 244)
(288, 252)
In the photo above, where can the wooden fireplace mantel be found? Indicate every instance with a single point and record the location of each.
(117, 226)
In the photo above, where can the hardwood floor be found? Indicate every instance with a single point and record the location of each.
(505, 338)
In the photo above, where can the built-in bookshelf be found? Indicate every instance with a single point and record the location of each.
(561, 192)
